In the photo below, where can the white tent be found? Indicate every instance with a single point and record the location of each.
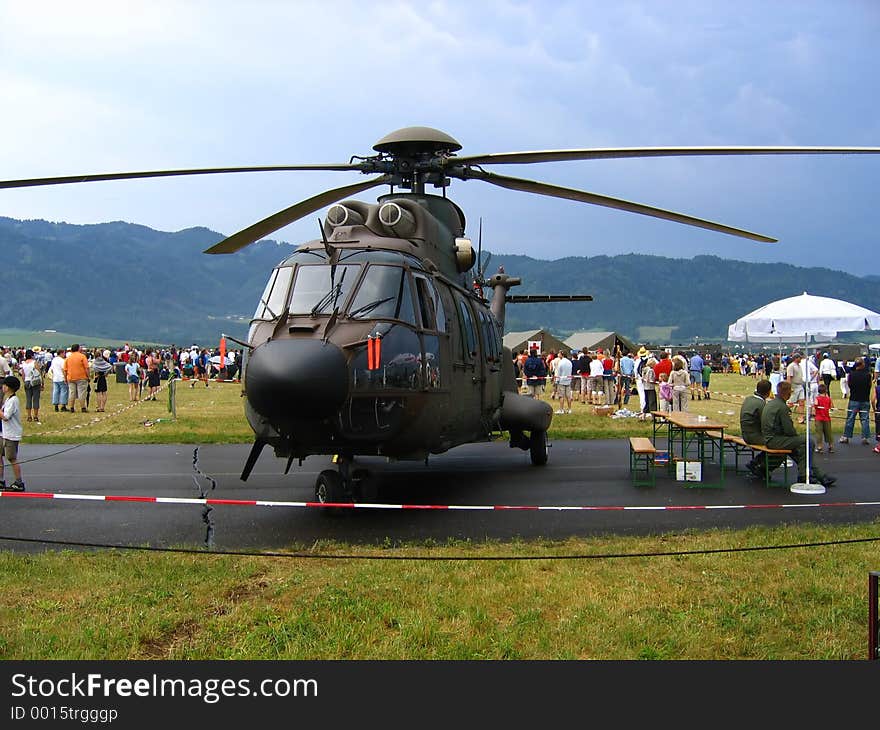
(798, 319)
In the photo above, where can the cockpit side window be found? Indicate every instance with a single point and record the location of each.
(384, 293)
(274, 295)
(490, 346)
(430, 305)
(470, 334)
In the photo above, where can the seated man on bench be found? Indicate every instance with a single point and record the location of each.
(780, 433)
(750, 425)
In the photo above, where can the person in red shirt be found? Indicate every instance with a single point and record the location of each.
(608, 378)
(823, 419)
(664, 365)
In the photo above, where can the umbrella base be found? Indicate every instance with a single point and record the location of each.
(801, 488)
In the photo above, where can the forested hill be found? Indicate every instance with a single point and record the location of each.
(132, 282)
(698, 297)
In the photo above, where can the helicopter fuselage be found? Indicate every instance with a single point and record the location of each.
(368, 342)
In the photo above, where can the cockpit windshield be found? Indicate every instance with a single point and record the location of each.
(319, 289)
(384, 293)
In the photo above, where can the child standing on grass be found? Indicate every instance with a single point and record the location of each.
(12, 432)
(665, 393)
(824, 405)
(707, 373)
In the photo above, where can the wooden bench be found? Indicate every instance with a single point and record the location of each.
(737, 446)
(641, 459)
(783, 455)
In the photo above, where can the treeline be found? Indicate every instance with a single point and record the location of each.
(129, 281)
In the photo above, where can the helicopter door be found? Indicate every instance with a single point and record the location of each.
(435, 338)
(469, 367)
(493, 370)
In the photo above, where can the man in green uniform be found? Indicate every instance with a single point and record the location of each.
(779, 433)
(750, 426)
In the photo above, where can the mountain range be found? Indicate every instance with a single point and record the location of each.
(132, 282)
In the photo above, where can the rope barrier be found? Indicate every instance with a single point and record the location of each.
(205, 501)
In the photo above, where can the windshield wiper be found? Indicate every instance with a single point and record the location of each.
(370, 307)
(333, 294)
(268, 308)
(325, 300)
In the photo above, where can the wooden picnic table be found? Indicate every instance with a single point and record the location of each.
(686, 434)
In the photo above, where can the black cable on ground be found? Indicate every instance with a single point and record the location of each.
(460, 558)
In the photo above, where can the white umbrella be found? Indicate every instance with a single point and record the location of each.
(799, 318)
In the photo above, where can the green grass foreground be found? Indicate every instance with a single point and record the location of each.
(801, 603)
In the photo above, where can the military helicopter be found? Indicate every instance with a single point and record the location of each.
(376, 338)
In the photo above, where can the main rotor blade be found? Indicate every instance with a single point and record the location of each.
(531, 186)
(532, 298)
(284, 217)
(598, 153)
(100, 177)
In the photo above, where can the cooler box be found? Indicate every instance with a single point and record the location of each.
(688, 471)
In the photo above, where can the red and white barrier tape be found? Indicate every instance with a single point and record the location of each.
(465, 507)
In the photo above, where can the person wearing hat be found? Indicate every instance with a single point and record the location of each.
(11, 433)
(640, 360)
(827, 371)
(101, 367)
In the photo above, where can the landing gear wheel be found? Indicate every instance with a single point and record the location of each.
(538, 447)
(329, 488)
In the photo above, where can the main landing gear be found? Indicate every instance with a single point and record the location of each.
(347, 485)
(535, 443)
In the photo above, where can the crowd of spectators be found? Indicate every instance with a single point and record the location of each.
(69, 375)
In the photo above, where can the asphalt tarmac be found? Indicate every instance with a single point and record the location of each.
(578, 473)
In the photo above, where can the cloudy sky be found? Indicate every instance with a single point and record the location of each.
(112, 86)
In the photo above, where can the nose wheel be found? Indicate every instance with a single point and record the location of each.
(344, 486)
(329, 488)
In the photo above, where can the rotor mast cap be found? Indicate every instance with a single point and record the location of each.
(416, 139)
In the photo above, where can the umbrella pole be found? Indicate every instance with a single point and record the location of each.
(806, 487)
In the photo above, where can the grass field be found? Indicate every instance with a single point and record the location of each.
(802, 603)
(54, 339)
(798, 603)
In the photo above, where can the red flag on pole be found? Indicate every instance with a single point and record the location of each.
(222, 352)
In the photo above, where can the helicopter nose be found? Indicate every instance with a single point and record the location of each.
(287, 378)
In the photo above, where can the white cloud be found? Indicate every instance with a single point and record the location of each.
(99, 86)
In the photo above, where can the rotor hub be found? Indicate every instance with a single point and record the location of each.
(416, 141)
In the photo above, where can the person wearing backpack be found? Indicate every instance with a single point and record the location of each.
(33, 385)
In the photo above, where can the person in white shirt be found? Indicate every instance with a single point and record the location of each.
(11, 432)
(562, 378)
(827, 371)
(595, 380)
(58, 373)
